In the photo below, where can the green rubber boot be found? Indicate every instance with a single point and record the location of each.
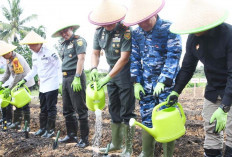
(148, 145)
(117, 137)
(168, 149)
(128, 136)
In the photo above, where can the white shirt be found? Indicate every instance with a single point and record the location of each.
(47, 65)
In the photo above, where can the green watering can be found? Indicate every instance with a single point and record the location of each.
(4, 101)
(20, 96)
(95, 99)
(168, 124)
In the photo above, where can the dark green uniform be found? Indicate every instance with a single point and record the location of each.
(120, 88)
(74, 102)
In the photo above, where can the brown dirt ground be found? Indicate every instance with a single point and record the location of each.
(13, 143)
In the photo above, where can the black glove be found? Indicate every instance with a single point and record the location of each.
(172, 98)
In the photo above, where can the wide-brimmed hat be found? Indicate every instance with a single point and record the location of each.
(141, 10)
(64, 26)
(197, 16)
(6, 48)
(107, 12)
(32, 38)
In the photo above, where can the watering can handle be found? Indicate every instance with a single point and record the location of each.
(13, 90)
(180, 108)
(95, 86)
(28, 90)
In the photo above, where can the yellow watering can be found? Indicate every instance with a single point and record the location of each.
(4, 101)
(168, 124)
(20, 96)
(95, 99)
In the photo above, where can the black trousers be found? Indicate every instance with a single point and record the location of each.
(121, 102)
(48, 103)
(7, 113)
(74, 102)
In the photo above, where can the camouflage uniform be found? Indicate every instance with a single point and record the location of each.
(155, 58)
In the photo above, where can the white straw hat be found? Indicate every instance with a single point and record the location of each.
(107, 12)
(64, 26)
(32, 38)
(197, 16)
(141, 10)
(6, 48)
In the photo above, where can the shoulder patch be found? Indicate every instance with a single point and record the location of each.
(127, 35)
(79, 42)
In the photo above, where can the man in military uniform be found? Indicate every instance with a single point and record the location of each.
(47, 65)
(73, 51)
(18, 68)
(154, 64)
(115, 39)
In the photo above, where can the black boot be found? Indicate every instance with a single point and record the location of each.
(213, 153)
(228, 152)
(43, 123)
(7, 115)
(71, 136)
(17, 120)
(84, 130)
(50, 128)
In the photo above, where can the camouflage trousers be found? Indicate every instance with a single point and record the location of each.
(147, 103)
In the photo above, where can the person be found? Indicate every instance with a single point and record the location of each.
(210, 42)
(73, 51)
(114, 39)
(18, 68)
(154, 64)
(47, 65)
(7, 111)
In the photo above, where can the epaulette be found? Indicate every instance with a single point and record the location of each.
(76, 36)
(123, 27)
(98, 27)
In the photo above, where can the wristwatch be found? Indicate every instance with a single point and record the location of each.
(225, 108)
(77, 75)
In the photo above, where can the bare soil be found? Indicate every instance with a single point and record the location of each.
(13, 142)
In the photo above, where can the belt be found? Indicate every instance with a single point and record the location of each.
(67, 73)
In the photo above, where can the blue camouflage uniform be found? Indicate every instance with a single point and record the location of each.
(155, 58)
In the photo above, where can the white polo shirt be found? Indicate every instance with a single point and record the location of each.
(47, 64)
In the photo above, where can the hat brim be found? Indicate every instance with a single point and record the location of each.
(107, 12)
(200, 29)
(8, 51)
(56, 34)
(104, 23)
(130, 20)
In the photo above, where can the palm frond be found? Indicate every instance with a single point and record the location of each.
(6, 13)
(27, 19)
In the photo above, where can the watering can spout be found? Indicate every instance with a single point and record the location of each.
(151, 131)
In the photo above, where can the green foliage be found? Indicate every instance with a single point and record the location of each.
(14, 28)
(199, 72)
